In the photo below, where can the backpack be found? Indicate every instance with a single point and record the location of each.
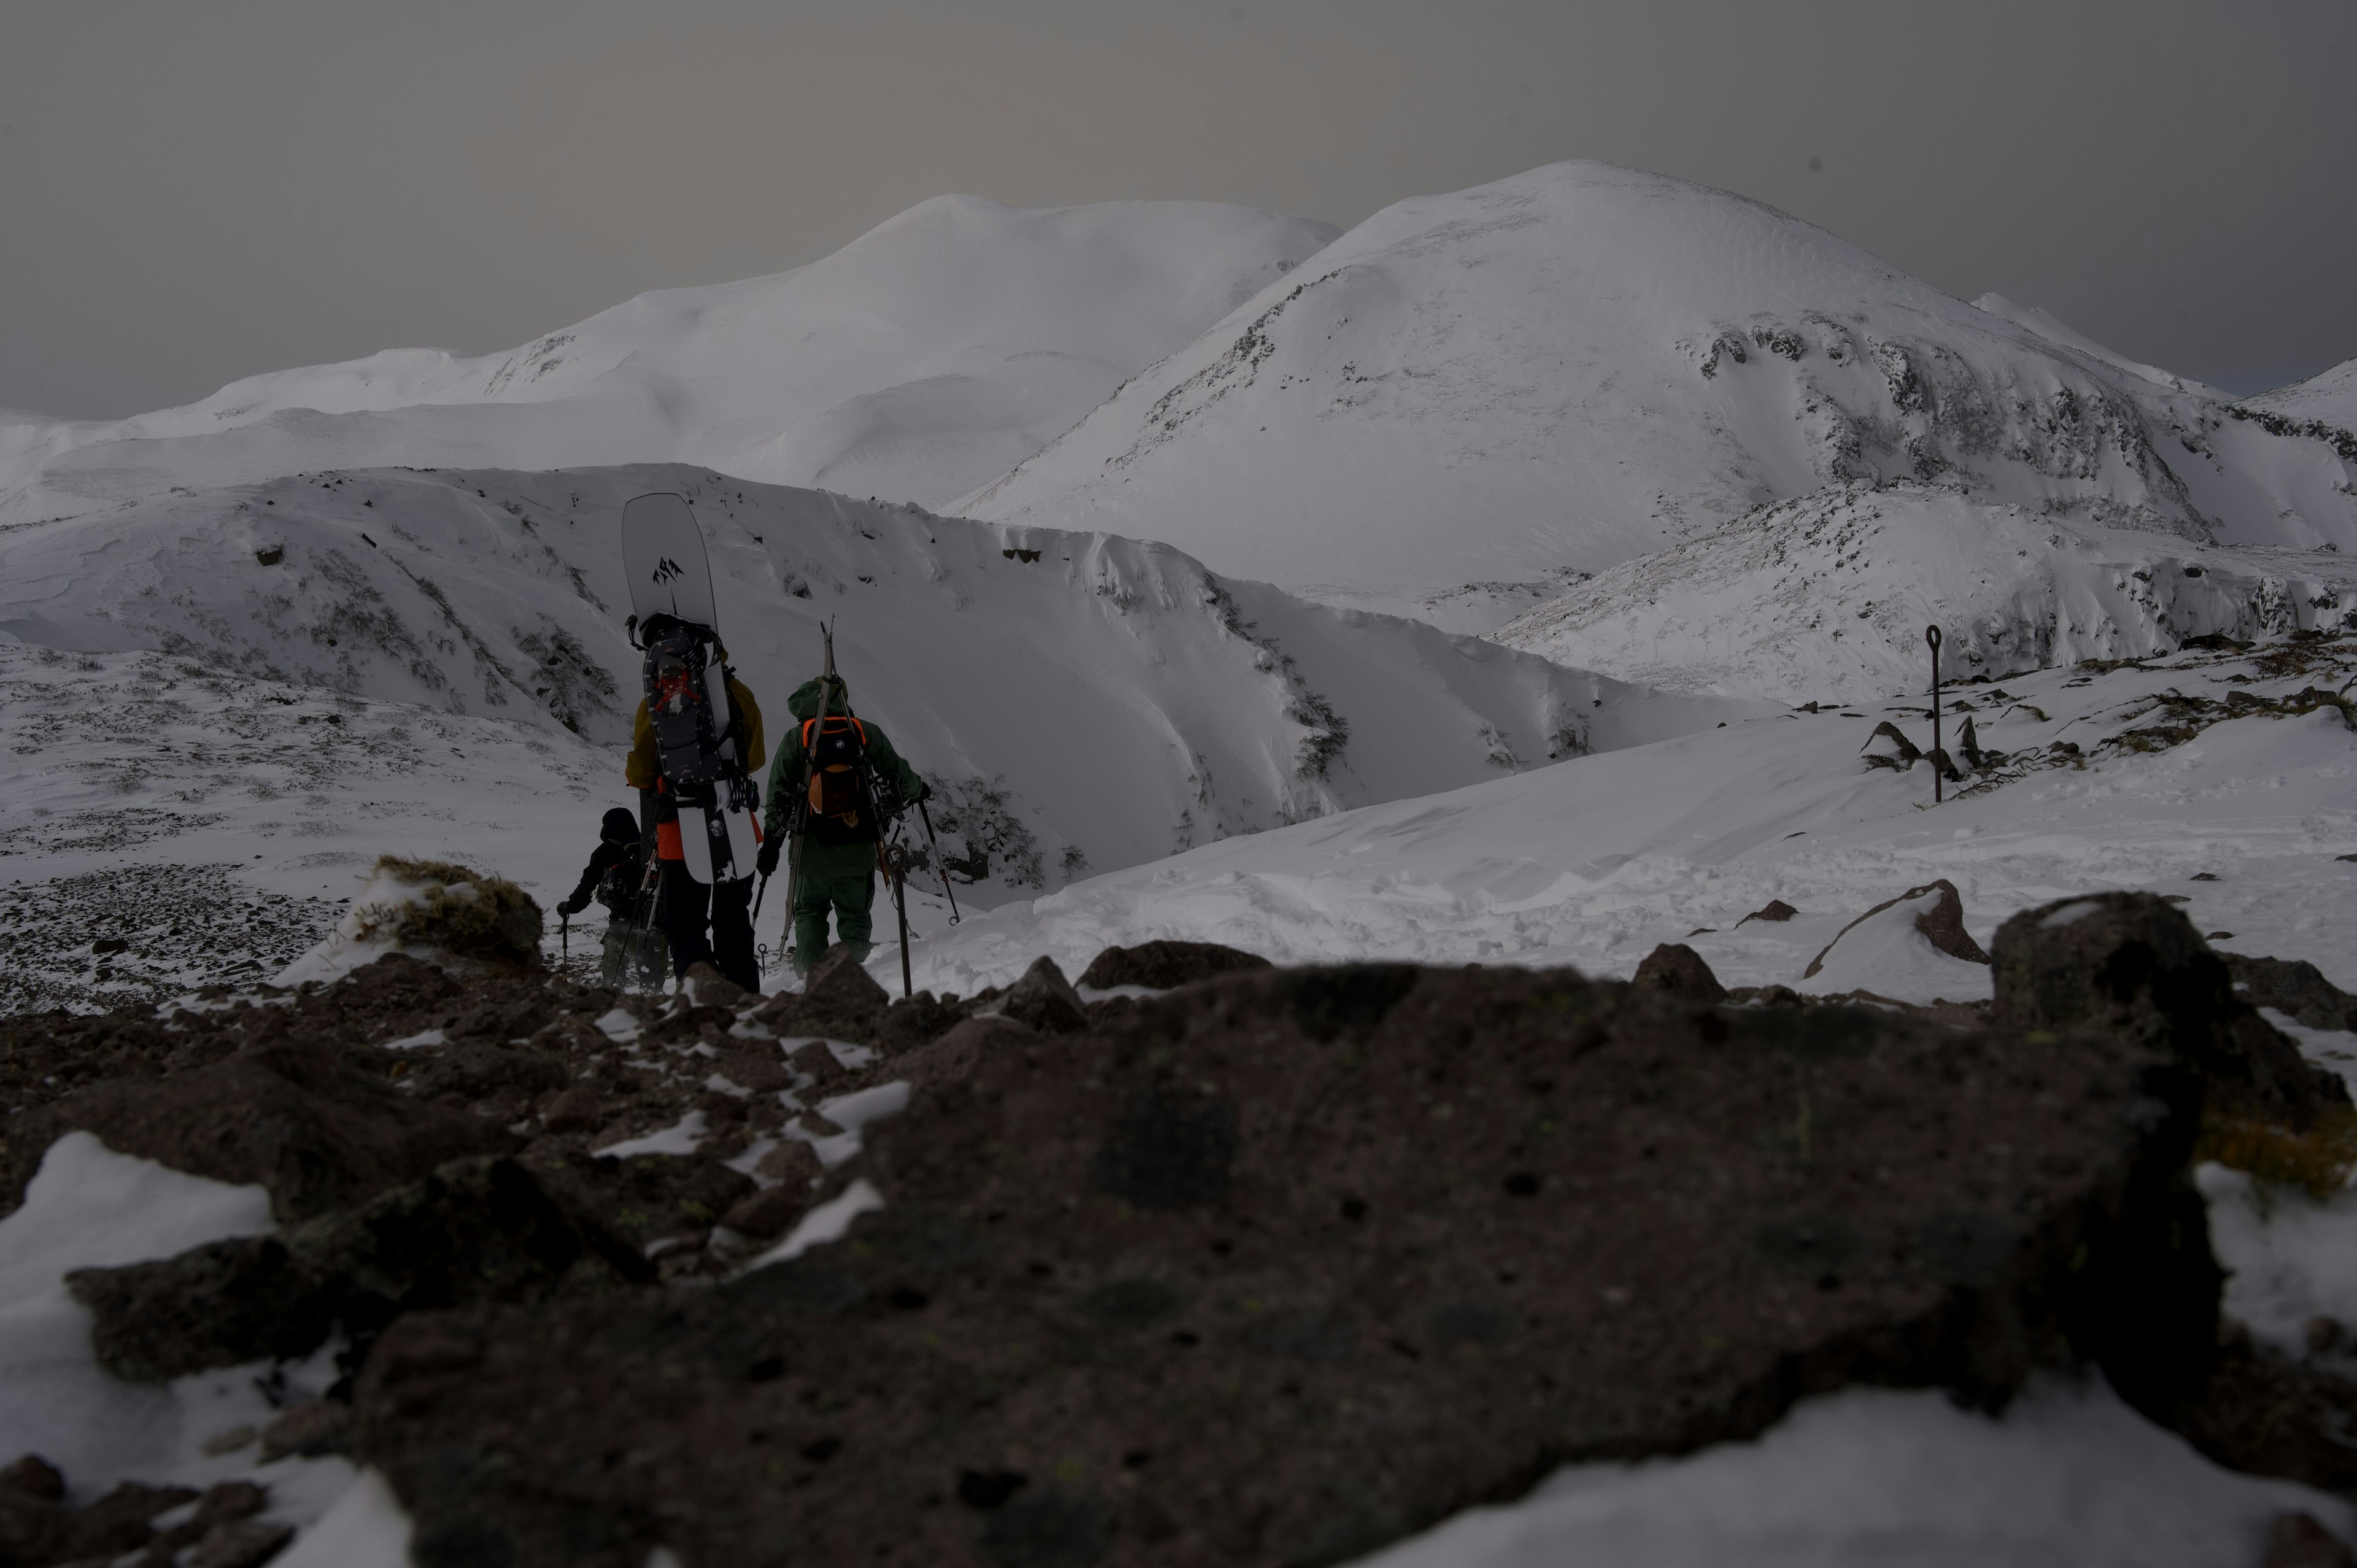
(838, 768)
(688, 705)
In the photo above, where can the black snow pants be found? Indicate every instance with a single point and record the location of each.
(688, 906)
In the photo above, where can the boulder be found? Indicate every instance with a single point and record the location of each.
(308, 1120)
(476, 1230)
(1284, 1267)
(2130, 966)
(1775, 909)
(2295, 987)
(840, 983)
(1162, 965)
(706, 987)
(1680, 970)
(769, 1211)
(1937, 916)
(1044, 1000)
(645, 1196)
(476, 1069)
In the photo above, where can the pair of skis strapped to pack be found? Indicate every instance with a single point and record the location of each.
(699, 743)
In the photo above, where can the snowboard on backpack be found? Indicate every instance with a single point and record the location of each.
(702, 756)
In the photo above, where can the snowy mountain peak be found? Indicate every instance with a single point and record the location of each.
(1583, 364)
(926, 357)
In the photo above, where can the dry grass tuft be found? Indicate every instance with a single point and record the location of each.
(2319, 1160)
(461, 912)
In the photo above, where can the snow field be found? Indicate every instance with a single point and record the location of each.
(1594, 863)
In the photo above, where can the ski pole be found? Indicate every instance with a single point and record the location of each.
(941, 867)
(564, 936)
(895, 872)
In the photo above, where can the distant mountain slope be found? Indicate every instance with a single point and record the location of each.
(2330, 396)
(1584, 364)
(1086, 701)
(925, 358)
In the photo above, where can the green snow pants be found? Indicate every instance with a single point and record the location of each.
(837, 877)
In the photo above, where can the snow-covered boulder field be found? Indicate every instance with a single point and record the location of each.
(923, 359)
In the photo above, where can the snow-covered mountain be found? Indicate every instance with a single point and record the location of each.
(2329, 396)
(1085, 701)
(1582, 365)
(923, 359)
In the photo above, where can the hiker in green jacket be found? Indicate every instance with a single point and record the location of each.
(816, 791)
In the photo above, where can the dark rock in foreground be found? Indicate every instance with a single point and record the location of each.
(319, 1130)
(1280, 1268)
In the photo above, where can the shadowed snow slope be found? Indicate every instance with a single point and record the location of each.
(1081, 701)
(1583, 364)
(927, 357)
(1595, 862)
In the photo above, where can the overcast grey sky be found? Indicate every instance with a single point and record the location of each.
(194, 191)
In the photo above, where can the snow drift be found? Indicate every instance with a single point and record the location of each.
(923, 359)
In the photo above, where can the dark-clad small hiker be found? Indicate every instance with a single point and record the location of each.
(824, 789)
(614, 877)
(689, 908)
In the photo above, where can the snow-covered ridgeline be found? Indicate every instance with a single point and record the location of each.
(923, 359)
(1826, 598)
(1086, 701)
(1583, 364)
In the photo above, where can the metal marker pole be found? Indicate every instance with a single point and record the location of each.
(1932, 636)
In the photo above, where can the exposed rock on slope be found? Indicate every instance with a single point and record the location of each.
(1827, 597)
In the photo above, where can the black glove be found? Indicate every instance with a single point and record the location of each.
(765, 862)
(573, 905)
(924, 791)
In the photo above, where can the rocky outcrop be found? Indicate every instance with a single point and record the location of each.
(475, 1231)
(1678, 970)
(321, 1130)
(2296, 988)
(1166, 965)
(2131, 966)
(1176, 1288)
(1277, 1265)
